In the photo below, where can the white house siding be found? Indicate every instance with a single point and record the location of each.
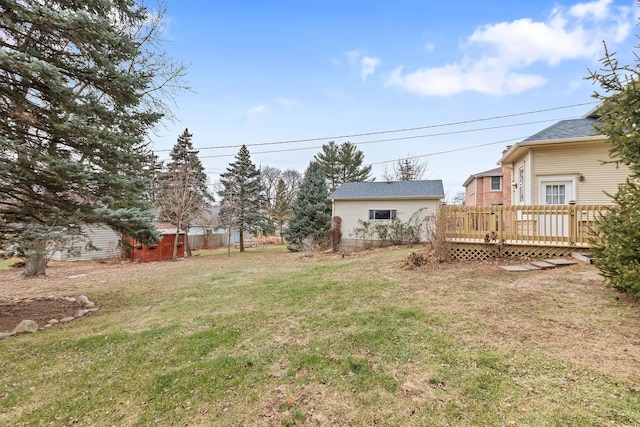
(104, 238)
(571, 160)
(353, 211)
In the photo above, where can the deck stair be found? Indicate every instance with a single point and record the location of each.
(539, 265)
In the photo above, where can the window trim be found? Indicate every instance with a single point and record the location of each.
(521, 187)
(491, 184)
(567, 180)
(393, 214)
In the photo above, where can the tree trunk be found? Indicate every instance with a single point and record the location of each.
(175, 244)
(187, 247)
(241, 233)
(36, 263)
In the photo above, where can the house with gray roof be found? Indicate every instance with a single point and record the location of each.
(361, 206)
(563, 164)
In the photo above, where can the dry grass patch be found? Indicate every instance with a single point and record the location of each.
(269, 337)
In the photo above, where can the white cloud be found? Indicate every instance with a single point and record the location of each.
(366, 64)
(497, 54)
(254, 113)
(287, 102)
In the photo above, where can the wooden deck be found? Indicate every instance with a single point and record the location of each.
(543, 225)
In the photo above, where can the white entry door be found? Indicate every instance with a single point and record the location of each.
(555, 192)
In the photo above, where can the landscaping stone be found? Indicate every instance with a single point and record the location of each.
(539, 265)
(26, 326)
(560, 261)
(514, 268)
(543, 264)
(86, 306)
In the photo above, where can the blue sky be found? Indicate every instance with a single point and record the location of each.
(449, 82)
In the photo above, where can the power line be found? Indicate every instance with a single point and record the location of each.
(394, 139)
(394, 130)
(453, 150)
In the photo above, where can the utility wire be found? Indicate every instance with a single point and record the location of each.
(394, 139)
(394, 130)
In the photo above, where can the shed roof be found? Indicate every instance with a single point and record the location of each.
(166, 228)
(424, 189)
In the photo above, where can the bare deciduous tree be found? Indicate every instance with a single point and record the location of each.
(407, 169)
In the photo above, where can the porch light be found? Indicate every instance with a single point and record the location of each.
(580, 177)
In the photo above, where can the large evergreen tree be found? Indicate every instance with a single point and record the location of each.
(617, 243)
(182, 190)
(311, 210)
(243, 201)
(77, 97)
(342, 163)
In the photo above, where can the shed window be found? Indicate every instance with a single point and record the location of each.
(496, 183)
(382, 213)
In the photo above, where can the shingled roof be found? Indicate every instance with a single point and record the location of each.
(572, 131)
(575, 128)
(427, 189)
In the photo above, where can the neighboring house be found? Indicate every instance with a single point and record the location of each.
(103, 238)
(369, 202)
(563, 164)
(492, 187)
(206, 232)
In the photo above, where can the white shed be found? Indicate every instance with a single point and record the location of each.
(365, 204)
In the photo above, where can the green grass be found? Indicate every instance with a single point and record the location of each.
(268, 337)
(7, 262)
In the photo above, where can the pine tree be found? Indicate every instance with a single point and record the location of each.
(76, 103)
(243, 202)
(342, 163)
(182, 190)
(311, 218)
(616, 245)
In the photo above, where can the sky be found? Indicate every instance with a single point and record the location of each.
(448, 83)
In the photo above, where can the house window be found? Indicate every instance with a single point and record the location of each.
(555, 194)
(521, 184)
(496, 183)
(382, 213)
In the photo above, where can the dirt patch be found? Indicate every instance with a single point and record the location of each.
(41, 311)
(42, 299)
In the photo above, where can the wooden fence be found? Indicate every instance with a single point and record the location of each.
(544, 225)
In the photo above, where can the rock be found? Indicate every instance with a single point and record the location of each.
(25, 326)
(80, 313)
(67, 319)
(53, 322)
(4, 334)
(82, 299)
(70, 299)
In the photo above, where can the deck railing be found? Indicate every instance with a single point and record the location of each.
(550, 225)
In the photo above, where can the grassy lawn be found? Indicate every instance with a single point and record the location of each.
(268, 337)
